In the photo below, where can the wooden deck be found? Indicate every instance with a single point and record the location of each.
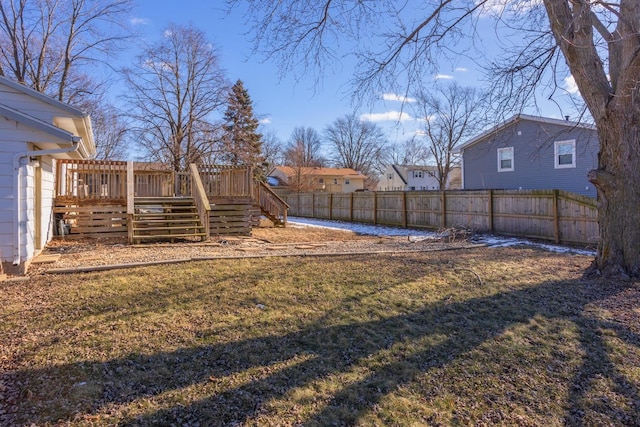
(104, 199)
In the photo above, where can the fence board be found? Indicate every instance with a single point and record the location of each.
(544, 214)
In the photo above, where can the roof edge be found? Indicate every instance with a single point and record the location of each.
(42, 97)
(519, 117)
(36, 123)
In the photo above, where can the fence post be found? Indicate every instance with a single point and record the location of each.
(330, 206)
(375, 208)
(351, 207)
(443, 201)
(313, 205)
(404, 209)
(556, 217)
(491, 211)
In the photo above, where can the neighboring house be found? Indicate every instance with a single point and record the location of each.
(415, 178)
(531, 153)
(329, 180)
(35, 130)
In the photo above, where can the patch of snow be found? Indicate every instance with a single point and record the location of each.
(417, 235)
(504, 242)
(359, 228)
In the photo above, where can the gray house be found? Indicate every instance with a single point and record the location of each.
(531, 153)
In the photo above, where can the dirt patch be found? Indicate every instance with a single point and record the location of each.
(265, 241)
(293, 234)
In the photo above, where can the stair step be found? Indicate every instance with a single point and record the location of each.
(189, 227)
(167, 221)
(152, 215)
(164, 209)
(162, 199)
(166, 236)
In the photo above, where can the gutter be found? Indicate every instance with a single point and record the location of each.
(17, 211)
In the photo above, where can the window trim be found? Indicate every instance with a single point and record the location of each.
(556, 158)
(505, 150)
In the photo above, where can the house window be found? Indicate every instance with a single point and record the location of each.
(417, 174)
(505, 159)
(321, 180)
(335, 181)
(390, 176)
(565, 154)
(346, 181)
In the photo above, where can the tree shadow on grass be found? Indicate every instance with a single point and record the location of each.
(276, 366)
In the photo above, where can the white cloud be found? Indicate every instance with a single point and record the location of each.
(570, 85)
(265, 121)
(396, 116)
(139, 21)
(396, 97)
(425, 119)
(443, 77)
(510, 7)
(461, 69)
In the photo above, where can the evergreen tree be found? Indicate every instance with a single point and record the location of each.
(241, 141)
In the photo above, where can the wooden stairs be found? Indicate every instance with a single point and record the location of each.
(165, 218)
(270, 205)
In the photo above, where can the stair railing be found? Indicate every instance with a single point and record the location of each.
(201, 200)
(270, 203)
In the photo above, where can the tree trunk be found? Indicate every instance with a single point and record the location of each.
(617, 181)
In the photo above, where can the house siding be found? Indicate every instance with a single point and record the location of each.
(533, 161)
(47, 164)
(7, 153)
(12, 141)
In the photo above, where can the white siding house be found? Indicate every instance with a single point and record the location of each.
(413, 178)
(34, 131)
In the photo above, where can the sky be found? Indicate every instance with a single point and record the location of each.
(284, 103)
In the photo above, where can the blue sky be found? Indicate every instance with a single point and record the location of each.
(285, 103)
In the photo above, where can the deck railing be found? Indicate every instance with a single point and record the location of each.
(200, 199)
(106, 181)
(91, 180)
(270, 203)
(227, 181)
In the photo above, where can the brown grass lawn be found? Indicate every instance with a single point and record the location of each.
(469, 337)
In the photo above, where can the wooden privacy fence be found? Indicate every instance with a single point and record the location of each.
(544, 214)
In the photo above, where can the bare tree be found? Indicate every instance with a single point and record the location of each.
(271, 148)
(303, 148)
(49, 45)
(449, 115)
(356, 144)
(302, 155)
(596, 41)
(412, 151)
(175, 89)
(109, 132)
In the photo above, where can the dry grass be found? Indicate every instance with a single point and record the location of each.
(302, 235)
(473, 337)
